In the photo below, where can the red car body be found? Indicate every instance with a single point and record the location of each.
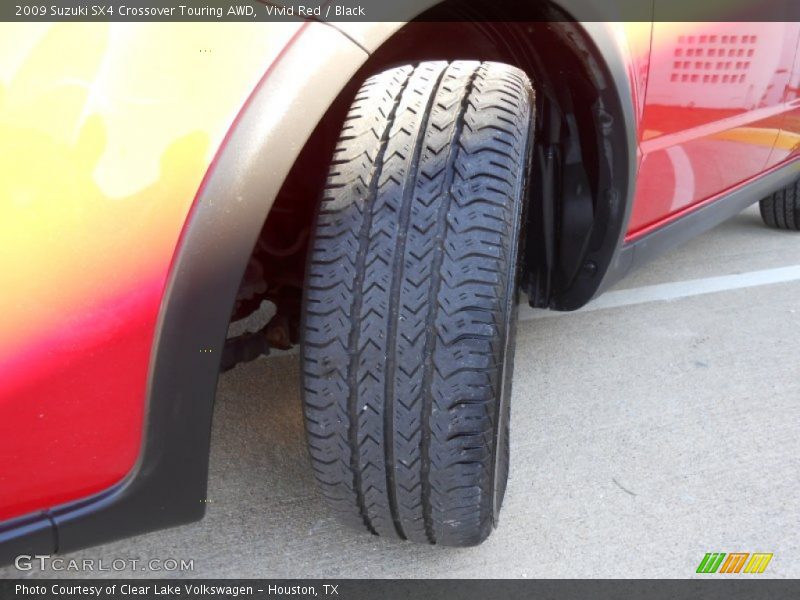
(715, 114)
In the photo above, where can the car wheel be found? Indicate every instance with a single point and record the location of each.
(410, 301)
(781, 210)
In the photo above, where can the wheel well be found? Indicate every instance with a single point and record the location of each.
(581, 158)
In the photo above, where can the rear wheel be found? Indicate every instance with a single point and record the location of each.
(781, 210)
(410, 303)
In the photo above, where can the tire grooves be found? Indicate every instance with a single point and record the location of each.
(788, 208)
(330, 279)
(777, 207)
(392, 325)
(355, 309)
(797, 206)
(427, 407)
(781, 210)
(430, 152)
(468, 347)
(501, 461)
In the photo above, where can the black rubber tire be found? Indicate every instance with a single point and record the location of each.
(410, 302)
(781, 210)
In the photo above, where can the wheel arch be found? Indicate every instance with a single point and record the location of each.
(590, 111)
(287, 120)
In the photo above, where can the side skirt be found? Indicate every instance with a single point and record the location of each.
(642, 250)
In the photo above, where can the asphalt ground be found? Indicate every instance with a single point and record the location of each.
(646, 432)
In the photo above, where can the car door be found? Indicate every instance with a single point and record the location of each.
(787, 146)
(714, 107)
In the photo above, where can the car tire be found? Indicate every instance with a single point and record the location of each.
(410, 301)
(781, 210)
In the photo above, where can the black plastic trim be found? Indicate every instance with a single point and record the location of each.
(618, 156)
(31, 534)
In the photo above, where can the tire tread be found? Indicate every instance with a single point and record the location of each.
(781, 210)
(406, 311)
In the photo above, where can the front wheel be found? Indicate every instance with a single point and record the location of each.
(410, 305)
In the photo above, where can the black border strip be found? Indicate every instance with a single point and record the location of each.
(365, 11)
(722, 587)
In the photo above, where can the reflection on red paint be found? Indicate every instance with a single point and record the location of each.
(57, 395)
(714, 109)
(89, 239)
